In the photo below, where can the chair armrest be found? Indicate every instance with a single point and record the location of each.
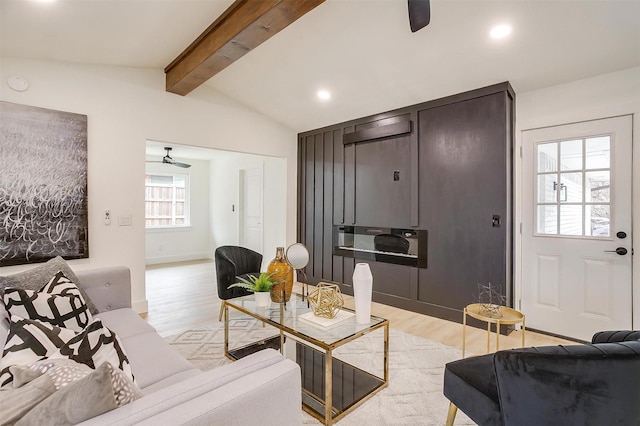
(108, 288)
(581, 384)
(615, 336)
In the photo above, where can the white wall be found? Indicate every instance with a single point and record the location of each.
(225, 171)
(599, 97)
(125, 107)
(164, 245)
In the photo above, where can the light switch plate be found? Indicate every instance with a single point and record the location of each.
(125, 220)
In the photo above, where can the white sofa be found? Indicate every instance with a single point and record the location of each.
(263, 388)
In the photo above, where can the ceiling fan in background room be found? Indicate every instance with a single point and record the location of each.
(419, 14)
(168, 160)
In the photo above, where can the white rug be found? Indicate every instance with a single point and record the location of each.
(416, 366)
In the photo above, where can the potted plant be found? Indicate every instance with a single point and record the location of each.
(260, 286)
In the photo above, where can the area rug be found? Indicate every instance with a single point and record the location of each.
(416, 366)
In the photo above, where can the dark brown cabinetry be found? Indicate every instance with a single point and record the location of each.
(442, 167)
(383, 168)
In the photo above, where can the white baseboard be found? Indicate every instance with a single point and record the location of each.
(178, 258)
(140, 306)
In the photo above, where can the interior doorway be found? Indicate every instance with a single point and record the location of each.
(251, 207)
(214, 187)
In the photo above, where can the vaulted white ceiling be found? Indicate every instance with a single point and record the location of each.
(360, 50)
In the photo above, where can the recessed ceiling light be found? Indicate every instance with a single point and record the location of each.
(500, 31)
(324, 95)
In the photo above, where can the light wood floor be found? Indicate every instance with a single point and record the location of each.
(182, 296)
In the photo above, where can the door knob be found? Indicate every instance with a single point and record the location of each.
(620, 250)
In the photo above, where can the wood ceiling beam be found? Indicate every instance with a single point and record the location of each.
(241, 28)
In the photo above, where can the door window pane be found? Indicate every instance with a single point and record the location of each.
(547, 188)
(598, 153)
(571, 155)
(570, 189)
(598, 187)
(547, 219)
(574, 194)
(547, 157)
(597, 219)
(570, 220)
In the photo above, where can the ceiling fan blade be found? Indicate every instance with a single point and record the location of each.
(183, 165)
(419, 14)
(168, 160)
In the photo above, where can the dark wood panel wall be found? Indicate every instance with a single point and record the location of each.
(443, 166)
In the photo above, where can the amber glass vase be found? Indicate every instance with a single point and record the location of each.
(282, 273)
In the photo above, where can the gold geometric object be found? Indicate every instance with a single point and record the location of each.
(490, 300)
(326, 300)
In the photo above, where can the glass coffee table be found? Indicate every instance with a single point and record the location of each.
(331, 387)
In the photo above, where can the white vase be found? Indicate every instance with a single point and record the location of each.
(362, 288)
(262, 298)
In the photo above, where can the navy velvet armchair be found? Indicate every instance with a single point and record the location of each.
(592, 384)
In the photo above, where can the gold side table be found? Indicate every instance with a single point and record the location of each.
(509, 316)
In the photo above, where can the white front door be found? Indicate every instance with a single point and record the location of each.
(576, 214)
(251, 208)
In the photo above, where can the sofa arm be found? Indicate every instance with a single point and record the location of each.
(579, 384)
(272, 396)
(615, 336)
(108, 288)
(262, 388)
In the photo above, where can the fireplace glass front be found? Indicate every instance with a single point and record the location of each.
(389, 245)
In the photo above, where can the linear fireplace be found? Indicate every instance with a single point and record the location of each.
(389, 245)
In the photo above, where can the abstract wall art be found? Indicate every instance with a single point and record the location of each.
(43, 185)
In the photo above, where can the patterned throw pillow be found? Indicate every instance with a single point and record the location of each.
(124, 389)
(62, 371)
(94, 346)
(81, 400)
(29, 341)
(59, 302)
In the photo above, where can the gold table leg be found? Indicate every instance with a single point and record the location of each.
(281, 322)
(488, 337)
(328, 388)
(451, 415)
(386, 353)
(464, 331)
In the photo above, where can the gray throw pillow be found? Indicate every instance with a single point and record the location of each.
(15, 403)
(23, 375)
(77, 402)
(37, 277)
